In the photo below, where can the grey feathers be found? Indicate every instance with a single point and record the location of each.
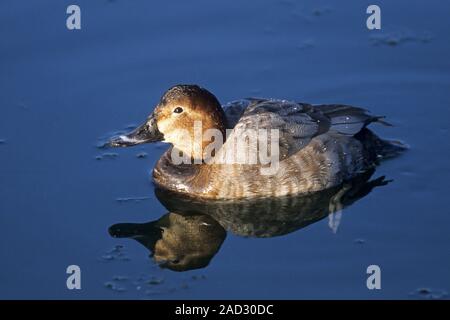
(297, 123)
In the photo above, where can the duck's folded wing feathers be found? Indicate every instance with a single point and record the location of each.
(297, 123)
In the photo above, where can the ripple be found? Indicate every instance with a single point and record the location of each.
(114, 287)
(142, 155)
(359, 241)
(429, 293)
(132, 199)
(321, 11)
(399, 37)
(115, 254)
(107, 155)
(155, 281)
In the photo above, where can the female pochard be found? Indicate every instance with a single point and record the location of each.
(256, 147)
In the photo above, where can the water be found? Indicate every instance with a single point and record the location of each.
(63, 91)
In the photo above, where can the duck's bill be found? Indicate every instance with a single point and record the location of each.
(147, 132)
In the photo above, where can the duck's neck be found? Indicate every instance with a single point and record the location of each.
(201, 145)
(181, 177)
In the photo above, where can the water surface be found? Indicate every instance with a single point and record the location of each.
(62, 91)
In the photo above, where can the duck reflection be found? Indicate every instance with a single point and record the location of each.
(192, 232)
(177, 241)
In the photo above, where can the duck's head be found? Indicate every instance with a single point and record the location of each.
(180, 109)
(176, 241)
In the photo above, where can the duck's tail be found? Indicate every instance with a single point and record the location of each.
(384, 149)
(391, 148)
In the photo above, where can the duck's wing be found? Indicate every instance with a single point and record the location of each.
(297, 123)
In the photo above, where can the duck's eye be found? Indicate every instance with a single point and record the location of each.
(175, 261)
(178, 110)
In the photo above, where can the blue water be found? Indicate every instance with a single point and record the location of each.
(61, 91)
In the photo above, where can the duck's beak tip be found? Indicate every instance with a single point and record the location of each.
(147, 132)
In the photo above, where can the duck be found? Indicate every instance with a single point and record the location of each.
(256, 147)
